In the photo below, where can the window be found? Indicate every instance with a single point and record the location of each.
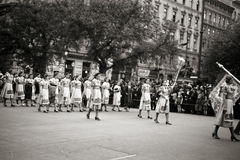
(174, 16)
(197, 7)
(214, 17)
(227, 22)
(196, 23)
(183, 2)
(210, 16)
(182, 19)
(165, 13)
(195, 43)
(219, 20)
(181, 38)
(209, 30)
(191, 3)
(213, 31)
(205, 14)
(223, 19)
(190, 21)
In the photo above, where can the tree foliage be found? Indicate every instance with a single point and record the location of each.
(119, 32)
(114, 32)
(32, 32)
(224, 49)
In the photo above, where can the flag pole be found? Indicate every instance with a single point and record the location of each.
(221, 66)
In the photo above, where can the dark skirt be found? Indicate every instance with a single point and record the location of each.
(28, 91)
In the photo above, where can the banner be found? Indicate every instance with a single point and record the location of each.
(216, 101)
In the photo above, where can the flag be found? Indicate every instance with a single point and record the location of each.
(216, 100)
(181, 62)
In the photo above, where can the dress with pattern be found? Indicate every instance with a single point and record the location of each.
(96, 96)
(77, 92)
(105, 92)
(163, 104)
(117, 95)
(65, 92)
(87, 88)
(20, 82)
(7, 91)
(44, 92)
(145, 102)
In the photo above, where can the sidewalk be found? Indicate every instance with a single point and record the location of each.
(26, 134)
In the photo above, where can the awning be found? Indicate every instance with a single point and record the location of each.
(153, 74)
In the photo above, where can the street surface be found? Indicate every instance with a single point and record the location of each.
(26, 134)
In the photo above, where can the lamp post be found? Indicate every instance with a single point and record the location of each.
(201, 36)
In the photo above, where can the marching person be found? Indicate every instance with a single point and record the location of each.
(77, 94)
(72, 89)
(54, 91)
(20, 95)
(105, 94)
(237, 129)
(30, 90)
(145, 102)
(163, 105)
(87, 90)
(64, 97)
(37, 80)
(7, 90)
(117, 96)
(224, 116)
(96, 97)
(43, 98)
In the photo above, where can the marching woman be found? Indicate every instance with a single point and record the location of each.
(30, 90)
(163, 105)
(224, 116)
(105, 94)
(77, 94)
(72, 89)
(145, 102)
(95, 97)
(117, 96)
(37, 80)
(87, 90)
(20, 95)
(43, 98)
(54, 91)
(64, 98)
(7, 91)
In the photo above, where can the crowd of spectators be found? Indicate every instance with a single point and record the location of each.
(185, 98)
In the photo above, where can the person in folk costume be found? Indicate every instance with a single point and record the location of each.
(105, 94)
(77, 94)
(225, 116)
(88, 90)
(72, 89)
(30, 90)
(20, 83)
(128, 96)
(7, 90)
(37, 80)
(96, 97)
(179, 99)
(117, 96)
(145, 101)
(54, 91)
(163, 104)
(64, 98)
(43, 98)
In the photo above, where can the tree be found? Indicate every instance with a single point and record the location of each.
(225, 50)
(33, 33)
(119, 32)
